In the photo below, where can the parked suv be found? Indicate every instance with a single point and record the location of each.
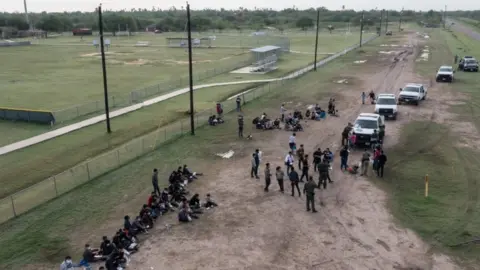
(462, 61)
(470, 65)
(386, 105)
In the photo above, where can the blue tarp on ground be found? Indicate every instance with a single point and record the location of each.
(16, 114)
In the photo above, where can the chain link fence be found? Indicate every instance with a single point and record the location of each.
(57, 185)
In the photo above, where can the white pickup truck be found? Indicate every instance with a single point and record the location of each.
(412, 93)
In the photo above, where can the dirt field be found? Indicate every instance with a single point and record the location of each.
(353, 230)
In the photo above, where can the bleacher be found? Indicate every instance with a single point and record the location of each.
(264, 65)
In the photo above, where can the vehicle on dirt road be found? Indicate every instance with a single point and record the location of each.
(445, 74)
(388, 33)
(470, 65)
(462, 61)
(386, 106)
(412, 93)
(364, 126)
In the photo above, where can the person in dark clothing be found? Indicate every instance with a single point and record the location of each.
(239, 105)
(382, 159)
(194, 202)
(280, 175)
(300, 155)
(323, 170)
(309, 190)
(317, 158)
(305, 168)
(344, 158)
(268, 177)
(240, 126)
(255, 164)
(293, 175)
(155, 181)
(381, 135)
(345, 133)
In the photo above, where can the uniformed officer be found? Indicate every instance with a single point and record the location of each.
(309, 190)
(323, 170)
(240, 126)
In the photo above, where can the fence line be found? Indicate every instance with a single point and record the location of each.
(54, 186)
(139, 95)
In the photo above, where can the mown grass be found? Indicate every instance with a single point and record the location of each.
(45, 233)
(450, 214)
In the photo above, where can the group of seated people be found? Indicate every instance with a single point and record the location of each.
(215, 120)
(263, 122)
(116, 252)
(315, 113)
(292, 122)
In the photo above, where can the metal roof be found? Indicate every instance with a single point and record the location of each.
(265, 49)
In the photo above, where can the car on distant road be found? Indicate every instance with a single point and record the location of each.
(412, 93)
(388, 33)
(470, 65)
(445, 74)
(364, 126)
(462, 61)
(386, 105)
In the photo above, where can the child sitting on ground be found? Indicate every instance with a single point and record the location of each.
(209, 202)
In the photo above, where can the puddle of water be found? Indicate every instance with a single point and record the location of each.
(360, 61)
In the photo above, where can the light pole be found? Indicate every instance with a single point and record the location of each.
(104, 69)
(400, 22)
(380, 26)
(361, 28)
(190, 71)
(386, 21)
(316, 42)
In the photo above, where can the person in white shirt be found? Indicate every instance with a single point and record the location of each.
(292, 142)
(282, 112)
(289, 161)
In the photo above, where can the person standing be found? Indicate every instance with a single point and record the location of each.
(67, 264)
(455, 59)
(282, 112)
(289, 161)
(300, 155)
(365, 162)
(292, 142)
(317, 158)
(309, 190)
(363, 98)
(305, 168)
(268, 177)
(156, 189)
(240, 126)
(345, 133)
(280, 175)
(344, 158)
(323, 170)
(255, 164)
(382, 159)
(219, 108)
(293, 176)
(239, 105)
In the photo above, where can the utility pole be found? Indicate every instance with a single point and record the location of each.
(104, 68)
(380, 26)
(444, 16)
(26, 15)
(190, 70)
(361, 28)
(400, 22)
(316, 41)
(386, 21)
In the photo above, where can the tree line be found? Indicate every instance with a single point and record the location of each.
(174, 19)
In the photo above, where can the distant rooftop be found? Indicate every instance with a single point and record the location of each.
(265, 49)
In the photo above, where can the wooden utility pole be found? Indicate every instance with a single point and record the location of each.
(361, 28)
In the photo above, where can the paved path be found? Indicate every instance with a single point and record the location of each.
(97, 119)
(463, 28)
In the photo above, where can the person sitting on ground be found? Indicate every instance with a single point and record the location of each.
(185, 205)
(108, 248)
(308, 113)
(173, 177)
(138, 226)
(209, 202)
(353, 169)
(67, 264)
(90, 255)
(184, 216)
(276, 123)
(194, 202)
(146, 216)
(152, 199)
(189, 173)
(317, 108)
(212, 120)
(298, 115)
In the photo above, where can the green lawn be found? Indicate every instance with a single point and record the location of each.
(57, 77)
(450, 215)
(45, 234)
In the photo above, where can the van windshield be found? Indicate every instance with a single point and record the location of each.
(367, 124)
(386, 101)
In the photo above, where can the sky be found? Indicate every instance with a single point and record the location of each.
(89, 5)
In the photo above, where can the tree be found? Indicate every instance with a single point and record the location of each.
(330, 28)
(304, 23)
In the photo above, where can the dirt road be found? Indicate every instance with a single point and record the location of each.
(460, 27)
(353, 230)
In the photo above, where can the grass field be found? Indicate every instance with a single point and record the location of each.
(450, 215)
(121, 191)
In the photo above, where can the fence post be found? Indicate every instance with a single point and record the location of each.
(118, 158)
(13, 207)
(55, 185)
(88, 171)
